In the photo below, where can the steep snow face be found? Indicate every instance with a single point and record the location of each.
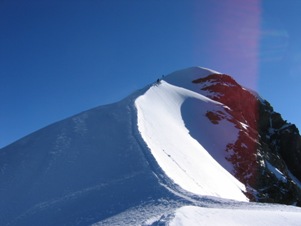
(165, 121)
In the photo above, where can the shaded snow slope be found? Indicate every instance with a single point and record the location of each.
(182, 158)
(211, 125)
(78, 171)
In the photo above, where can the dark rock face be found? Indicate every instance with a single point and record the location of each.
(280, 145)
(267, 153)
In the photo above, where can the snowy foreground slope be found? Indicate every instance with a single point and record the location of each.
(155, 158)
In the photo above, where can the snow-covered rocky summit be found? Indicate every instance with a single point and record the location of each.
(189, 142)
(266, 153)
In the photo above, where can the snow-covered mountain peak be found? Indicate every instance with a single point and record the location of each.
(195, 138)
(262, 135)
(191, 73)
(183, 78)
(208, 82)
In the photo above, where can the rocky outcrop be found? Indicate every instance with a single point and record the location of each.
(267, 153)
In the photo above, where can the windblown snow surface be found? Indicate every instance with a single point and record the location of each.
(150, 159)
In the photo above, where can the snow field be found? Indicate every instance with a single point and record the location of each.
(194, 216)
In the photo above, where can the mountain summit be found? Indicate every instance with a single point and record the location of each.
(191, 140)
(266, 153)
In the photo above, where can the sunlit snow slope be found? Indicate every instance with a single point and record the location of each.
(164, 124)
(259, 216)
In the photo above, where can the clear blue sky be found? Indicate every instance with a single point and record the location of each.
(59, 57)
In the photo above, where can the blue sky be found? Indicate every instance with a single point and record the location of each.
(59, 57)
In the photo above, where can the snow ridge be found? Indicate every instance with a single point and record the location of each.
(180, 156)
